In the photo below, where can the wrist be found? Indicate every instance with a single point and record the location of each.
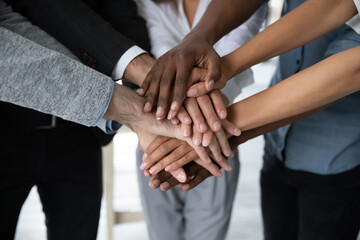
(202, 35)
(138, 68)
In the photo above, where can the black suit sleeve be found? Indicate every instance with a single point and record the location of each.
(98, 32)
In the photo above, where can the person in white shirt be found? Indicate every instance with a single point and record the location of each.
(203, 213)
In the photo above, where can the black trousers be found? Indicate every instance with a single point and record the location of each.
(65, 165)
(299, 205)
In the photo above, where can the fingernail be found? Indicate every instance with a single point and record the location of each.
(205, 143)
(156, 183)
(220, 174)
(228, 168)
(203, 127)
(153, 169)
(174, 105)
(197, 141)
(147, 107)
(186, 133)
(164, 186)
(223, 114)
(144, 156)
(237, 132)
(211, 83)
(159, 112)
(181, 177)
(171, 115)
(175, 121)
(229, 153)
(192, 92)
(186, 187)
(140, 91)
(187, 120)
(168, 168)
(217, 126)
(143, 165)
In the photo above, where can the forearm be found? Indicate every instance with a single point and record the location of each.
(325, 82)
(252, 133)
(304, 24)
(222, 16)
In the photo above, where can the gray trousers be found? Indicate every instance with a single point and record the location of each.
(202, 213)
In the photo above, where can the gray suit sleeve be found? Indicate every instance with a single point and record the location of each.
(48, 81)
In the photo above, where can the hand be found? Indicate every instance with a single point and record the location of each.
(170, 154)
(199, 88)
(145, 138)
(173, 69)
(196, 175)
(212, 108)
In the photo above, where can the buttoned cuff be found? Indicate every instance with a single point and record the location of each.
(124, 61)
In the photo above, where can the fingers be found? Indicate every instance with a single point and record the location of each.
(218, 103)
(179, 174)
(172, 157)
(207, 137)
(175, 120)
(224, 143)
(211, 167)
(184, 68)
(154, 145)
(186, 130)
(188, 157)
(216, 151)
(197, 136)
(166, 84)
(197, 90)
(214, 70)
(201, 151)
(230, 127)
(183, 116)
(196, 180)
(159, 154)
(193, 109)
(209, 113)
(150, 86)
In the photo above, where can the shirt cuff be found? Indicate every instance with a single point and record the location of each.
(106, 106)
(124, 61)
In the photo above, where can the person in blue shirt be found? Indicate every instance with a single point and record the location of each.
(310, 180)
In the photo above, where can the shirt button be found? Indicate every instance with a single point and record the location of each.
(298, 62)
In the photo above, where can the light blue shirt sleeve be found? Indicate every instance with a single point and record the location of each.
(111, 126)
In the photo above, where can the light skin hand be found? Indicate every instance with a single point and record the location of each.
(166, 154)
(196, 174)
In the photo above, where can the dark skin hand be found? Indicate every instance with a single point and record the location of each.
(168, 81)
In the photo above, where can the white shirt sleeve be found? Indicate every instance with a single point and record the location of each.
(354, 22)
(161, 39)
(234, 40)
(124, 61)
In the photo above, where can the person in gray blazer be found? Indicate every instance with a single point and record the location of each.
(40, 73)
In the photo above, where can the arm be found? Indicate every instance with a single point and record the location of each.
(311, 88)
(304, 24)
(99, 35)
(195, 50)
(50, 93)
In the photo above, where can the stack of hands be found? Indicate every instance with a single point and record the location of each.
(197, 114)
